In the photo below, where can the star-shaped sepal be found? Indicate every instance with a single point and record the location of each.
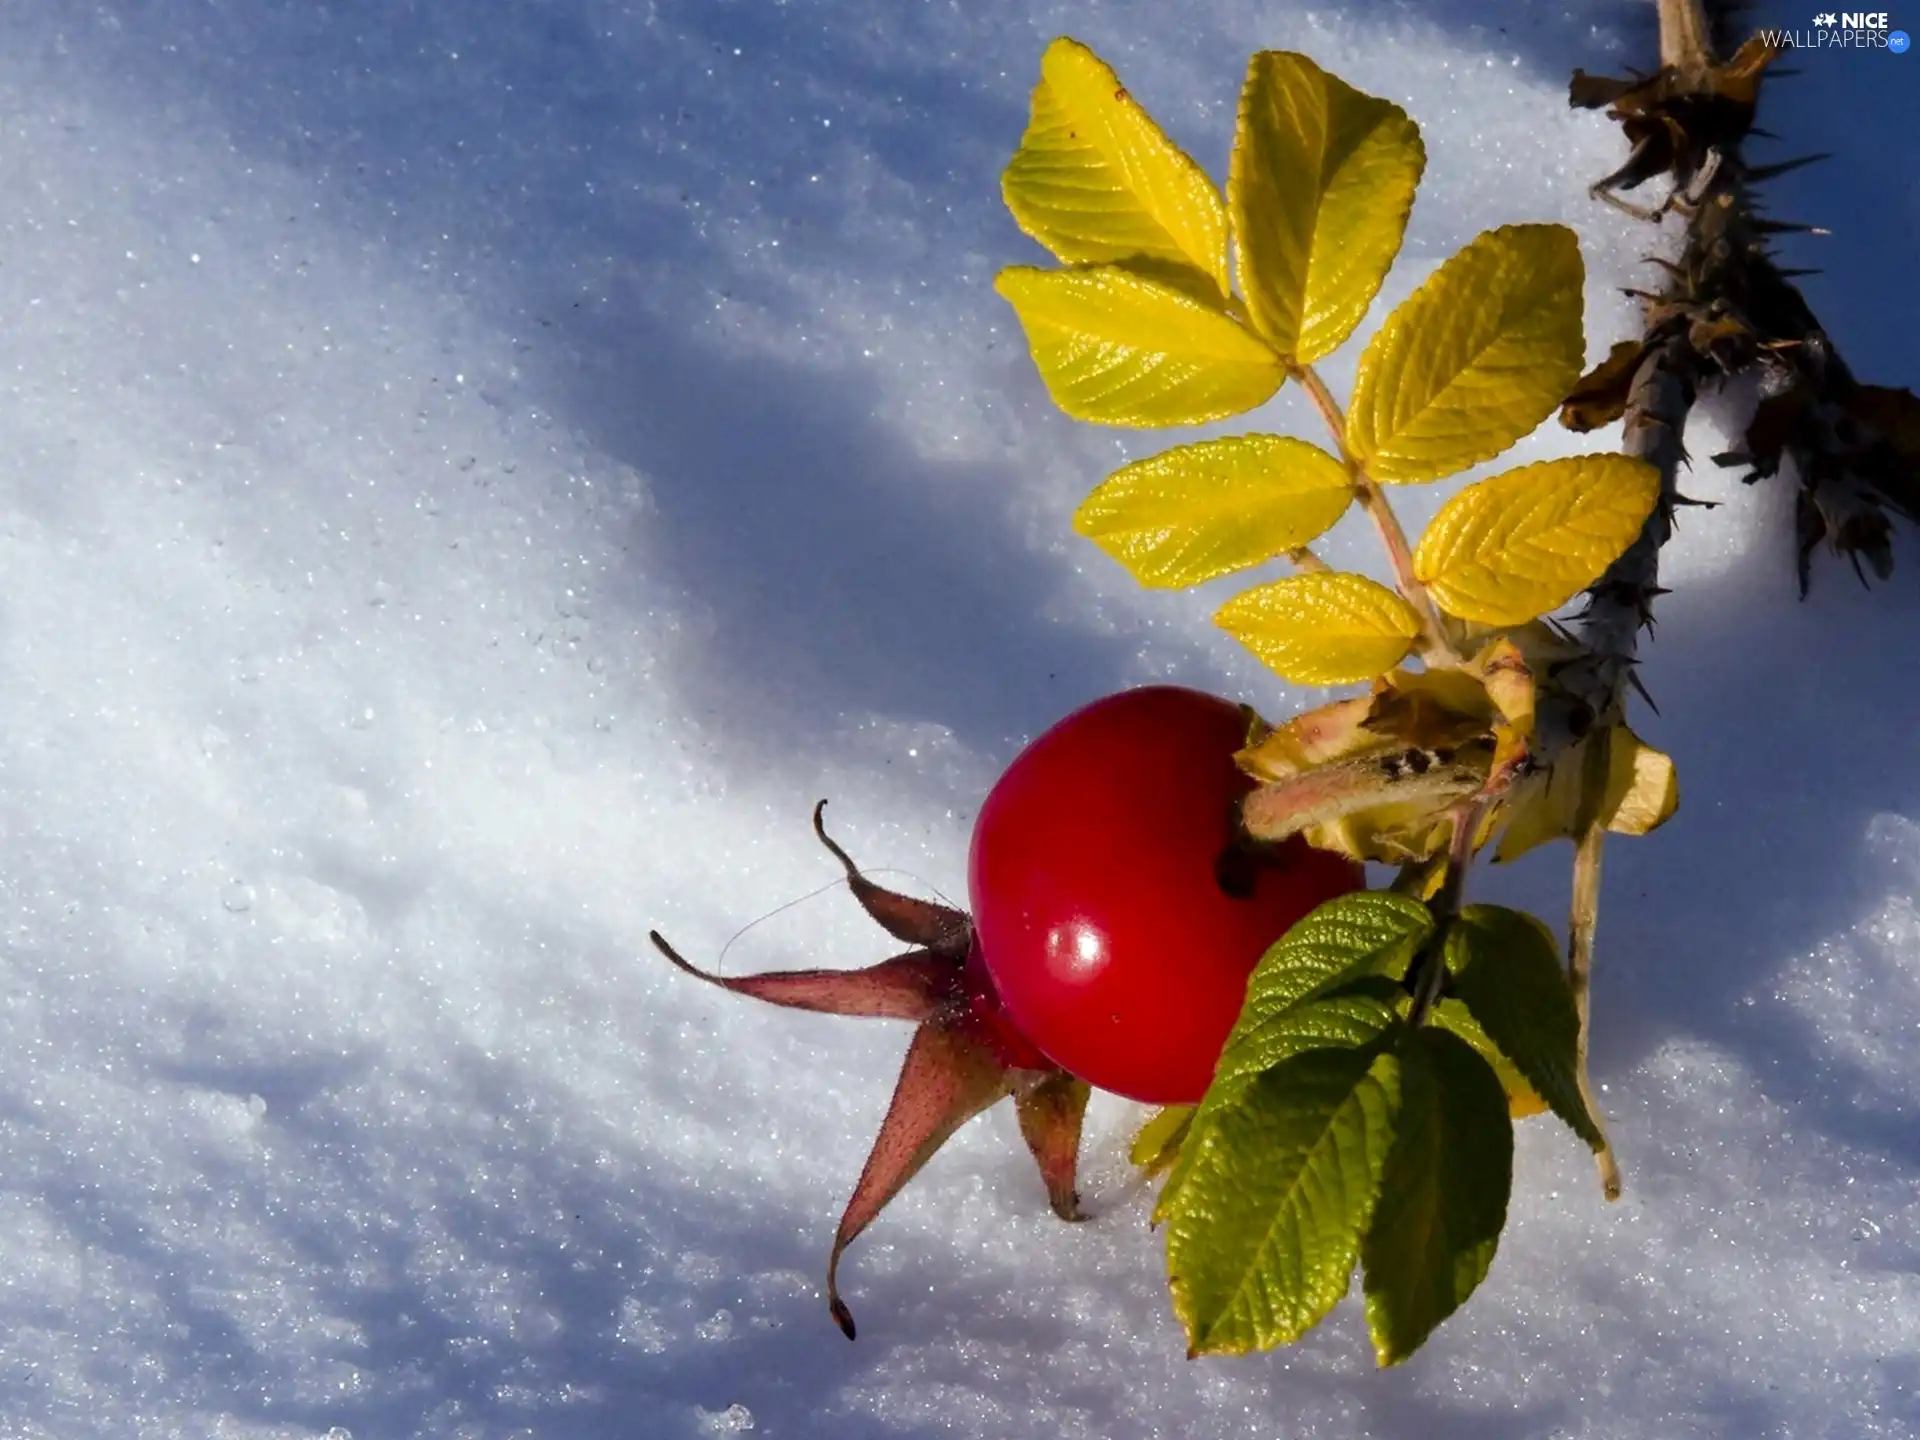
(966, 1054)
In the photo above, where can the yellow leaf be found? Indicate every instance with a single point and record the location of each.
(1527, 541)
(1332, 732)
(1320, 185)
(1408, 709)
(1118, 349)
(1474, 359)
(1325, 629)
(1502, 668)
(1638, 792)
(1541, 810)
(1197, 511)
(1157, 1143)
(1095, 179)
(1434, 709)
(1644, 780)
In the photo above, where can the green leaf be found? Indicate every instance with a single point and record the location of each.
(1328, 628)
(1308, 991)
(1345, 1019)
(1522, 1100)
(1262, 1237)
(1519, 544)
(1095, 179)
(1506, 971)
(1268, 1035)
(1370, 932)
(1117, 348)
(1195, 512)
(1443, 1198)
(1320, 186)
(1473, 359)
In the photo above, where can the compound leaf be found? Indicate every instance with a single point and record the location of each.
(1443, 1196)
(1519, 544)
(1323, 629)
(1506, 971)
(1095, 179)
(1320, 186)
(1473, 359)
(1117, 348)
(1198, 511)
(1263, 1233)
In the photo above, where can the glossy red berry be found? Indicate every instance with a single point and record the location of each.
(1103, 893)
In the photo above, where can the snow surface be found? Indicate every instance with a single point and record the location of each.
(473, 475)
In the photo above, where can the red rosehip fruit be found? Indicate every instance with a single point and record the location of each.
(1116, 907)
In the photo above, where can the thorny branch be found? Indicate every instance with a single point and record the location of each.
(1725, 309)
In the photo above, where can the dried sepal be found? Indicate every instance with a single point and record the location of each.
(1377, 777)
(947, 1079)
(1678, 116)
(962, 1059)
(915, 986)
(918, 922)
(1599, 397)
(1051, 1109)
(1855, 450)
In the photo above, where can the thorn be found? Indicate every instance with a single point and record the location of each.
(1633, 679)
(1797, 273)
(1786, 74)
(1679, 499)
(1768, 172)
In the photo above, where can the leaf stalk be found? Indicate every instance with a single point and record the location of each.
(1435, 646)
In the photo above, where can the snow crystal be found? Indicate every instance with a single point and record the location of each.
(476, 475)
